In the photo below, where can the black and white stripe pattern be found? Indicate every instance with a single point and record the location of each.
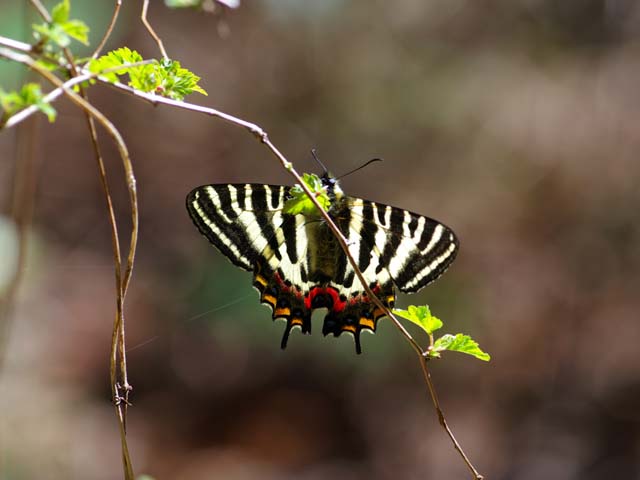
(245, 222)
(410, 249)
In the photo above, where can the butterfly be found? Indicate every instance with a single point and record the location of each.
(297, 263)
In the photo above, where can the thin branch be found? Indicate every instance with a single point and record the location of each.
(118, 339)
(41, 10)
(92, 113)
(23, 114)
(15, 44)
(442, 420)
(107, 34)
(118, 347)
(143, 17)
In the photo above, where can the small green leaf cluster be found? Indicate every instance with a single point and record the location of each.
(300, 203)
(61, 29)
(422, 317)
(30, 94)
(183, 3)
(166, 77)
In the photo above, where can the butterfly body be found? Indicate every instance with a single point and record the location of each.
(298, 264)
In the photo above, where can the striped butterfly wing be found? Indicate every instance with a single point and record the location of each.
(390, 243)
(241, 220)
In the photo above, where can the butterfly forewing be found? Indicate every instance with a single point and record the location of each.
(411, 249)
(241, 220)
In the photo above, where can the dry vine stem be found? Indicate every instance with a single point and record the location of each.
(152, 32)
(118, 358)
(107, 33)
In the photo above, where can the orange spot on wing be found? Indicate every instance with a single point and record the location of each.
(377, 313)
(366, 322)
(282, 312)
(270, 299)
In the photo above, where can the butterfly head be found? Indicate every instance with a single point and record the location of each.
(332, 186)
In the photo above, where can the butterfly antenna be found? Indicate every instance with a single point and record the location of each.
(360, 167)
(314, 153)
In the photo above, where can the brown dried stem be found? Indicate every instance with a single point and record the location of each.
(107, 33)
(41, 10)
(118, 344)
(143, 17)
(118, 358)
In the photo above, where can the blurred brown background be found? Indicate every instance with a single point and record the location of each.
(515, 122)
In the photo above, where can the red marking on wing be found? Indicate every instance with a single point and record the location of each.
(338, 305)
(284, 288)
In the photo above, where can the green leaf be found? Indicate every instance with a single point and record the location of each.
(29, 94)
(300, 203)
(53, 32)
(182, 3)
(47, 109)
(177, 82)
(421, 316)
(60, 13)
(61, 30)
(78, 30)
(48, 64)
(166, 78)
(458, 343)
(116, 58)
